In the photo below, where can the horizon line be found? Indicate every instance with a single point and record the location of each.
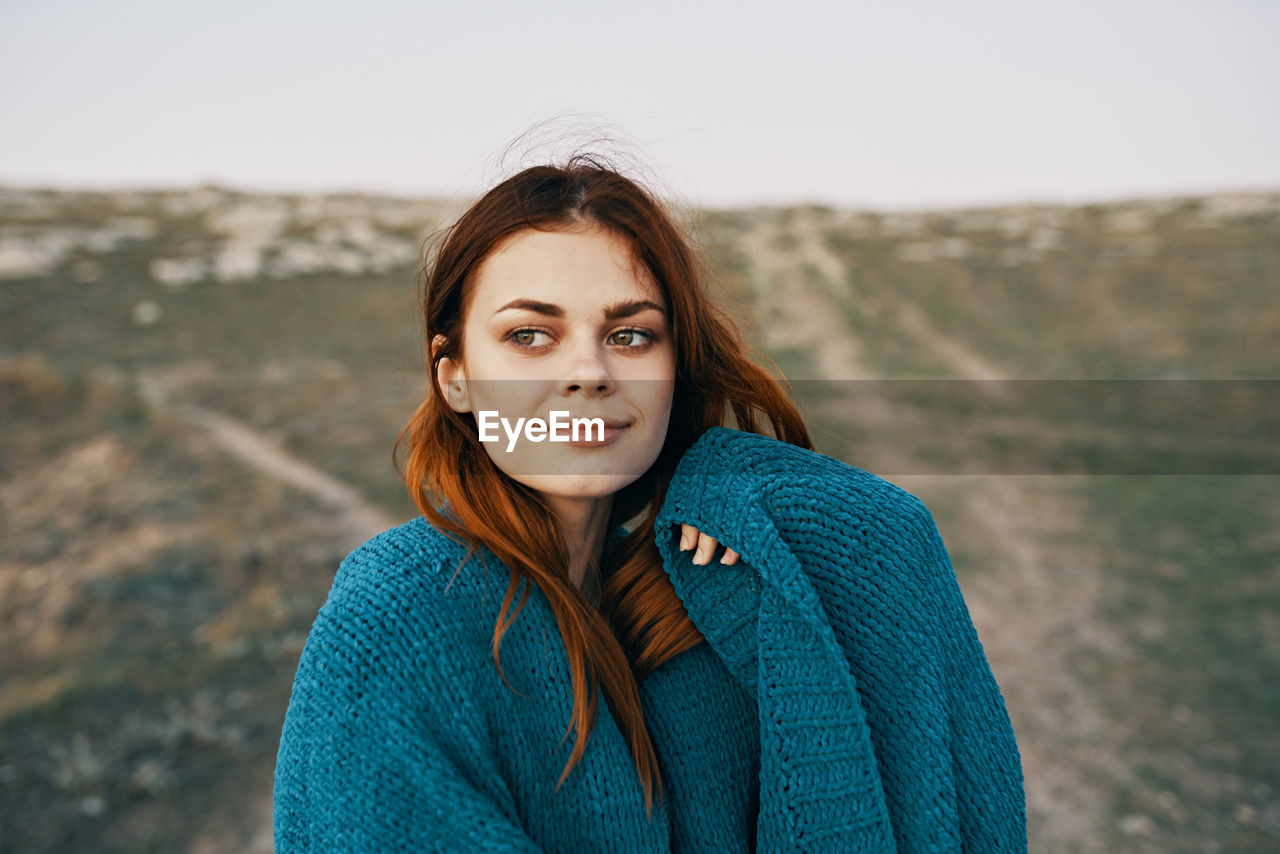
(1045, 199)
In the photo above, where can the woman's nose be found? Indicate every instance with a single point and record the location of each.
(589, 371)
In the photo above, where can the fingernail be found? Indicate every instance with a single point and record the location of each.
(685, 545)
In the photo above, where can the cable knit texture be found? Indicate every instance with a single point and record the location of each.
(842, 701)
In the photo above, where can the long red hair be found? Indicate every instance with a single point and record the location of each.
(640, 623)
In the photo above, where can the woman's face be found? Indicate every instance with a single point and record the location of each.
(564, 321)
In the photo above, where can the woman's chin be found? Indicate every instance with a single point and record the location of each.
(574, 473)
(579, 485)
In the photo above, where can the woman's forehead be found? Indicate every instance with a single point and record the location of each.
(581, 269)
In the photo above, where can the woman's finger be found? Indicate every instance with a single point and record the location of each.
(690, 537)
(706, 547)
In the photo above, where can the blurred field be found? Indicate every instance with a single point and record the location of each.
(200, 390)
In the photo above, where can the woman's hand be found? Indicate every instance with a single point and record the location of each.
(706, 546)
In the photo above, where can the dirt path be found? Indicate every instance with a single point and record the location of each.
(797, 313)
(1036, 608)
(358, 520)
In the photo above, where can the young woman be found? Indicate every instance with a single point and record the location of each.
(784, 657)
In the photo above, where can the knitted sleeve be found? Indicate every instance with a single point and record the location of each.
(882, 727)
(380, 748)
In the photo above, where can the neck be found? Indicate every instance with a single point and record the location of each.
(583, 522)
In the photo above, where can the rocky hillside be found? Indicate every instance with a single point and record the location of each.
(200, 389)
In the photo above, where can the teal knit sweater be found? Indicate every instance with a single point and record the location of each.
(842, 701)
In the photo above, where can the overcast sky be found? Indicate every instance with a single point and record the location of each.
(891, 105)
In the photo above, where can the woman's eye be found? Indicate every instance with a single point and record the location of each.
(526, 337)
(632, 338)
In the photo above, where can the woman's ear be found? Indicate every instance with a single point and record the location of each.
(451, 378)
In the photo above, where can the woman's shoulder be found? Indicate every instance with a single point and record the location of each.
(416, 545)
(408, 579)
(392, 641)
(412, 552)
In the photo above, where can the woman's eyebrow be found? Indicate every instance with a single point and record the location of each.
(549, 309)
(626, 309)
(612, 312)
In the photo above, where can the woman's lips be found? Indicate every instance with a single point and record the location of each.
(612, 431)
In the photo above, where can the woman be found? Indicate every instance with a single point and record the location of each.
(426, 716)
